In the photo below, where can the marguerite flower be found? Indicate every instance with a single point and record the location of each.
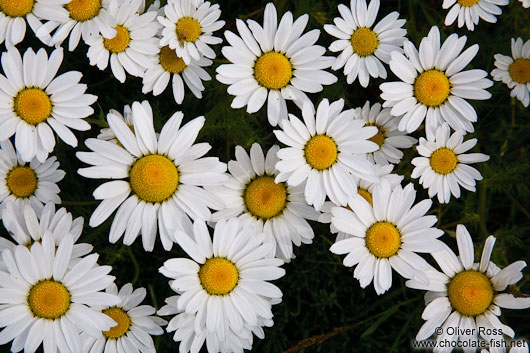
(386, 236)
(164, 175)
(32, 100)
(275, 209)
(188, 28)
(274, 63)
(434, 85)
(388, 137)
(363, 47)
(470, 11)
(225, 283)
(468, 295)
(107, 134)
(33, 183)
(135, 324)
(44, 300)
(133, 47)
(169, 64)
(444, 165)
(329, 151)
(514, 71)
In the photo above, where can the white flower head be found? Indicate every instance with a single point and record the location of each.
(471, 11)
(525, 3)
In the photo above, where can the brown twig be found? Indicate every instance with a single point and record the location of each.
(318, 339)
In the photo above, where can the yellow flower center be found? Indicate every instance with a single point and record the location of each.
(218, 276)
(188, 29)
(170, 61)
(21, 181)
(383, 239)
(83, 10)
(520, 70)
(321, 152)
(467, 3)
(16, 8)
(264, 198)
(379, 137)
(122, 318)
(470, 292)
(443, 161)
(154, 178)
(33, 105)
(48, 299)
(273, 70)
(120, 42)
(432, 88)
(364, 41)
(366, 195)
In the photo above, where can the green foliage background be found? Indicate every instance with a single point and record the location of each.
(320, 295)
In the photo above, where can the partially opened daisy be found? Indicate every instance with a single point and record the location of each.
(328, 150)
(274, 63)
(189, 26)
(514, 71)
(433, 84)
(45, 301)
(386, 236)
(135, 324)
(225, 283)
(33, 102)
(33, 183)
(171, 67)
(275, 209)
(443, 164)
(471, 11)
(525, 3)
(133, 47)
(160, 178)
(467, 296)
(389, 139)
(362, 47)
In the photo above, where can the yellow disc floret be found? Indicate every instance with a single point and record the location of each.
(48, 299)
(122, 319)
(470, 292)
(520, 70)
(120, 42)
(383, 239)
(443, 161)
(467, 3)
(273, 70)
(364, 41)
(218, 276)
(154, 178)
(365, 195)
(16, 8)
(379, 137)
(264, 198)
(33, 105)
(83, 10)
(170, 61)
(22, 181)
(188, 29)
(432, 88)
(321, 152)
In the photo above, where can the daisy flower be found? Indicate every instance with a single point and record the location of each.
(386, 236)
(188, 28)
(32, 100)
(470, 11)
(169, 64)
(164, 175)
(363, 47)
(275, 209)
(274, 63)
(434, 85)
(133, 47)
(389, 139)
(444, 165)
(33, 183)
(225, 282)
(135, 324)
(514, 71)
(525, 3)
(327, 150)
(45, 301)
(468, 295)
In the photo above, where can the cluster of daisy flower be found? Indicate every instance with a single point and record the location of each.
(238, 222)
